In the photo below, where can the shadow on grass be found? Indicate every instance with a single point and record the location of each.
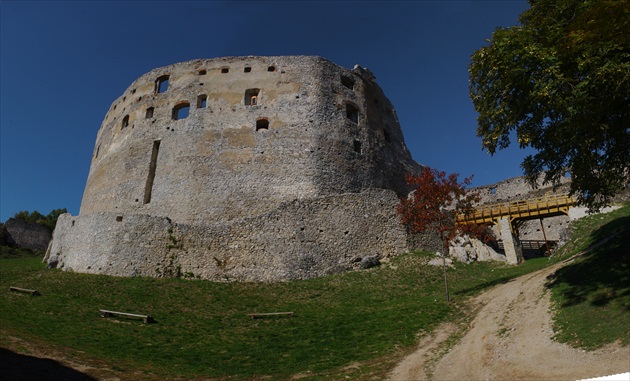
(602, 274)
(17, 367)
(486, 285)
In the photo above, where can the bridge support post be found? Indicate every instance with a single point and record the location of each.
(511, 244)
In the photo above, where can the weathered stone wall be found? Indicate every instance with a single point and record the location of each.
(328, 130)
(26, 234)
(283, 168)
(300, 239)
(517, 188)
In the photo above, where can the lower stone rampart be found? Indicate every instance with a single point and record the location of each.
(300, 239)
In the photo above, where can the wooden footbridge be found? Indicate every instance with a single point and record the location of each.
(510, 215)
(520, 210)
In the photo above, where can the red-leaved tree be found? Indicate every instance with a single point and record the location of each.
(434, 204)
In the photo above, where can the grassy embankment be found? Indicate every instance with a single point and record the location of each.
(355, 325)
(591, 295)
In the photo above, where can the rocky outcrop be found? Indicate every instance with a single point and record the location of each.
(24, 234)
(467, 250)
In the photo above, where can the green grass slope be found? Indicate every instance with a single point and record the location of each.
(355, 325)
(591, 295)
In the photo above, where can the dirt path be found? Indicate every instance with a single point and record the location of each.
(510, 339)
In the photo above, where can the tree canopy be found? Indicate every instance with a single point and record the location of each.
(560, 83)
(434, 204)
(49, 220)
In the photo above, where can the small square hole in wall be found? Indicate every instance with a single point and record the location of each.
(247, 69)
(202, 72)
(262, 124)
(357, 147)
(119, 218)
(271, 68)
(225, 70)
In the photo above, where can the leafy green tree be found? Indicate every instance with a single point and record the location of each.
(49, 220)
(33, 217)
(561, 82)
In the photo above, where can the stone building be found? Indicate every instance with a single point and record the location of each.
(241, 168)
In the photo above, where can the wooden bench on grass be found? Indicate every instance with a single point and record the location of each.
(25, 290)
(269, 314)
(146, 318)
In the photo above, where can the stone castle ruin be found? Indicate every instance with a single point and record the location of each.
(241, 168)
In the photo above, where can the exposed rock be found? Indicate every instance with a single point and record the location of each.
(467, 250)
(29, 235)
(369, 262)
(438, 261)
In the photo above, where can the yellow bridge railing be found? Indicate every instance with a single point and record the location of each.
(524, 209)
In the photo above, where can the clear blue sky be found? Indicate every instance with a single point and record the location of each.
(64, 63)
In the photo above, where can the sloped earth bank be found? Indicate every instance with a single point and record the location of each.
(510, 338)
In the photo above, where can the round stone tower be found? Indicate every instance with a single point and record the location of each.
(241, 168)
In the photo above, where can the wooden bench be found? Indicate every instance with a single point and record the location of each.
(26, 290)
(269, 314)
(146, 318)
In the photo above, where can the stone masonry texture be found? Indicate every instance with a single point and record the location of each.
(241, 168)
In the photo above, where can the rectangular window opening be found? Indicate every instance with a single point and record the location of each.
(352, 113)
(161, 84)
(251, 97)
(347, 82)
(181, 111)
(262, 124)
(148, 189)
(201, 101)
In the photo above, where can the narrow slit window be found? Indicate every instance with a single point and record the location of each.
(262, 124)
(181, 111)
(125, 122)
(352, 113)
(149, 113)
(358, 147)
(148, 189)
(161, 84)
(386, 135)
(201, 101)
(251, 97)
